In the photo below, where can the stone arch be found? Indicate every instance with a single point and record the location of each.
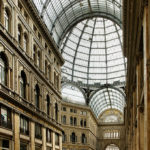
(110, 143)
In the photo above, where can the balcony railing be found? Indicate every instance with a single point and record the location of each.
(6, 124)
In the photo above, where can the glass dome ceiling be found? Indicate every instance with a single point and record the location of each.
(107, 98)
(60, 15)
(71, 93)
(93, 53)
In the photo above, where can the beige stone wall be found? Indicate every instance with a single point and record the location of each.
(113, 138)
(19, 58)
(136, 49)
(90, 130)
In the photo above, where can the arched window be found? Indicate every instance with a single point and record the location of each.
(19, 34)
(23, 85)
(49, 72)
(64, 119)
(63, 137)
(73, 138)
(83, 139)
(71, 120)
(3, 69)
(56, 111)
(81, 123)
(84, 123)
(6, 19)
(37, 96)
(48, 105)
(75, 121)
(25, 39)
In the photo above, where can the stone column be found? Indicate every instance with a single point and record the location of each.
(60, 142)
(53, 140)
(32, 136)
(43, 138)
(16, 131)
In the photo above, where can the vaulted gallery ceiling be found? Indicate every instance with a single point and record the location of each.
(88, 34)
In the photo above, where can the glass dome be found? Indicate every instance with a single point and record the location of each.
(71, 93)
(107, 99)
(93, 53)
(60, 15)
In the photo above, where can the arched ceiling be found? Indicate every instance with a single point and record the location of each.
(107, 98)
(60, 15)
(93, 53)
(71, 93)
(89, 35)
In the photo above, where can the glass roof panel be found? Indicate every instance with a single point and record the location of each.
(72, 94)
(60, 15)
(107, 98)
(95, 47)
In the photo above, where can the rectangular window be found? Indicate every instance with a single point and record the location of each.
(56, 139)
(83, 113)
(5, 119)
(24, 125)
(4, 144)
(64, 108)
(71, 110)
(38, 131)
(48, 135)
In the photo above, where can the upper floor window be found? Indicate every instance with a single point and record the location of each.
(37, 96)
(48, 104)
(6, 19)
(5, 119)
(81, 122)
(24, 125)
(49, 72)
(64, 119)
(64, 108)
(19, 34)
(63, 137)
(2, 71)
(48, 135)
(38, 131)
(3, 68)
(25, 42)
(38, 59)
(45, 68)
(71, 120)
(19, 6)
(23, 85)
(56, 111)
(34, 53)
(84, 123)
(73, 138)
(83, 113)
(75, 121)
(111, 134)
(83, 139)
(56, 139)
